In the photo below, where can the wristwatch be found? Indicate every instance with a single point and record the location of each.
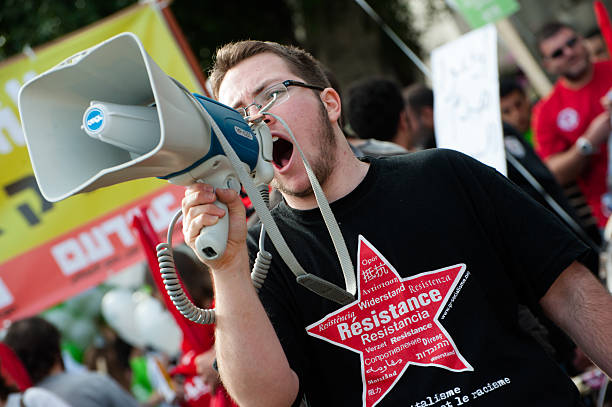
(585, 147)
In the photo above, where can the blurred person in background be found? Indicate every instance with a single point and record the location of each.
(11, 396)
(110, 354)
(596, 45)
(515, 107)
(36, 343)
(571, 124)
(376, 113)
(516, 112)
(419, 100)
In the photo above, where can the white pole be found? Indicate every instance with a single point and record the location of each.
(524, 59)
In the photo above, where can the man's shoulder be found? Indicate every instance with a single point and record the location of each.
(602, 76)
(85, 388)
(425, 164)
(423, 157)
(75, 379)
(603, 65)
(378, 148)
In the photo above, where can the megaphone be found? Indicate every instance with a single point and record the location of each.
(109, 114)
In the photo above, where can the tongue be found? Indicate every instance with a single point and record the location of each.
(284, 161)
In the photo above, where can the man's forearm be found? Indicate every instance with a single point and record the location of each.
(251, 361)
(566, 166)
(580, 305)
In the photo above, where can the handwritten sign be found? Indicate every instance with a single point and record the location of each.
(466, 97)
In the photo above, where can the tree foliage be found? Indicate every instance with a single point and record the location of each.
(35, 22)
(337, 32)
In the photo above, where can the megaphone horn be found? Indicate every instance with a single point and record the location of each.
(109, 114)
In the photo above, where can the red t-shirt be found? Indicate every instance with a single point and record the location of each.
(563, 116)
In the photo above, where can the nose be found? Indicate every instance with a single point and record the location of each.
(269, 120)
(567, 50)
(571, 49)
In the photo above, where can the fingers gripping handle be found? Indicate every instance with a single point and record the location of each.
(212, 240)
(218, 172)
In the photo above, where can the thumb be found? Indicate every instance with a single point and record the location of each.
(230, 198)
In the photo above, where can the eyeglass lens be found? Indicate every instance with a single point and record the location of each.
(264, 100)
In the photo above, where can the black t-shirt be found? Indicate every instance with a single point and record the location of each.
(422, 215)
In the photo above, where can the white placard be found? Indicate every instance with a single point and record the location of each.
(466, 97)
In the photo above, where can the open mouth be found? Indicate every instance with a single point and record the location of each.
(281, 152)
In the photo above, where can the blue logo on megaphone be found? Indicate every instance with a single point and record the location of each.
(94, 119)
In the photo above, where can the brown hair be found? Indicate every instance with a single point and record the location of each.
(299, 62)
(548, 30)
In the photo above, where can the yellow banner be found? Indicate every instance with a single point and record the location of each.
(26, 219)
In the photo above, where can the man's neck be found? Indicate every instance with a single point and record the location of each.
(347, 174)
(56, 369)
(579, 82)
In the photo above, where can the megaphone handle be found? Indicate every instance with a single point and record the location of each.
(212, 240)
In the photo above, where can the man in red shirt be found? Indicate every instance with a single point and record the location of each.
(571, 124)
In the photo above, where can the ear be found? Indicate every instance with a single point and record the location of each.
(402, 124)
(333, 104)
(427, 116)
(404, 135)
(546, 62)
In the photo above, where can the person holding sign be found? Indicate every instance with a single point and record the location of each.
(571, 124)
(444, 249)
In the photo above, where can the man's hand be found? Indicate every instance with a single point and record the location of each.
(599, 129)
(606, 100)
(204, 368)
(567, 165)
(199, 211)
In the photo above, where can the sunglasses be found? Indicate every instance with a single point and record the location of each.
(559, 51)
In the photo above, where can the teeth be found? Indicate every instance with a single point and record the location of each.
(274, 138)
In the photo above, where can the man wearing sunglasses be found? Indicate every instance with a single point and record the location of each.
(571, 124)
(444, 249)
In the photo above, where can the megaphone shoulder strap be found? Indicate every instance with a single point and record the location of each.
(328, 217)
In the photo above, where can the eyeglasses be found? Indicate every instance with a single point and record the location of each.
(274, 95)
(559, 51)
